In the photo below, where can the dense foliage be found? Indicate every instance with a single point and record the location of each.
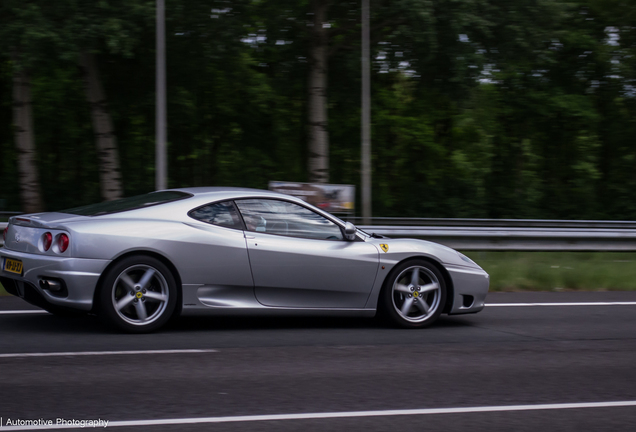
(480, 108)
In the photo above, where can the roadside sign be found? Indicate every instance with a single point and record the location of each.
(334, 198)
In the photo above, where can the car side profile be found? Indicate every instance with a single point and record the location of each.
(137, 262)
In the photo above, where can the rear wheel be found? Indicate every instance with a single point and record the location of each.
(138, 294)
(414, 294)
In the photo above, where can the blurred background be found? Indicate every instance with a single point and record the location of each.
(480, 108)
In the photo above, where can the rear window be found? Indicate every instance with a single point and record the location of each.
(124, 204)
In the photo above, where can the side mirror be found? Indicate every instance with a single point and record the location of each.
(350, 231)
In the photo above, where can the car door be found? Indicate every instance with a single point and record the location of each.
(301, 259)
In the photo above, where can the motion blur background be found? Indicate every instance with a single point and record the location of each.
(480, 108)
(502, 109)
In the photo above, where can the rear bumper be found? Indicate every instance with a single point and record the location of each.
(79, 277)
(470, 287)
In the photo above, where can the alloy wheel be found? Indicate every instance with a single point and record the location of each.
(416, 294)
(140, 295)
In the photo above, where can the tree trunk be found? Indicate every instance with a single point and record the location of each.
(25, 141)
(318, 154)
(109, 171)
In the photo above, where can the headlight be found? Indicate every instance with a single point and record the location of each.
(465, 258)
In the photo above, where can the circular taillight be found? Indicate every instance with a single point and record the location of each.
(62, 242)
(4, 233)
(47, 239)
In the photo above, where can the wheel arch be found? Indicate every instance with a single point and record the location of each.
(160, 257)
(450, 291)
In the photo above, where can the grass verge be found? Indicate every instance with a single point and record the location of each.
(558, 271)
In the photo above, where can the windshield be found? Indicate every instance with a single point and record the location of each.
(124, 204)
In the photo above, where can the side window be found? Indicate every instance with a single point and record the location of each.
(287, 219)
(223, 214)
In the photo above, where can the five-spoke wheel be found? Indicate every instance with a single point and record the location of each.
(414, 294)
(138, 294)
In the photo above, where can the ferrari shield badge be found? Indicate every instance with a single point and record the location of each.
(384, 247)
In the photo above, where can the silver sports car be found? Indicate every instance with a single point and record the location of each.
(137, 262)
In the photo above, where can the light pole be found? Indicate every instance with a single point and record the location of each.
(366, 117)
(160, 119)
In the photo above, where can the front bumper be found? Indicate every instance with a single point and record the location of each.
(470, 287)
(79, 276)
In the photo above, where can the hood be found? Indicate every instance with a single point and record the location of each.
(392, 248)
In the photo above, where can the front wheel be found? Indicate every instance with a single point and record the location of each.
(414, 294)
(138, 294)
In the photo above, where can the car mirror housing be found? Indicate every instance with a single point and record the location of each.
(350, 231)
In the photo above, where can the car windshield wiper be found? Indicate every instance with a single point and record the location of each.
(378, 236)
(372, 235)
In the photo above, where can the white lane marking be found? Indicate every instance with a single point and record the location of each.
(11, 312)
(562, 304)
(102, 353)
(346, 414)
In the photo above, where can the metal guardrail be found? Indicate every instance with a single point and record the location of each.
(506, 223)
(511, 234)
(505, 234)
(512, 238)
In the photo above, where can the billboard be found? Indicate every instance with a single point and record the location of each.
(333, 198)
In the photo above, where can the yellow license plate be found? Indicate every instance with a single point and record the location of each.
(13, 266)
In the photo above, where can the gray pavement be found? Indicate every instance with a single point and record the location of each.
(261, 366)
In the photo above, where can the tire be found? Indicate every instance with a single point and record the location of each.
(137, 295)
(414, 294)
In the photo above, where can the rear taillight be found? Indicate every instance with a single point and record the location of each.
(4, 233)
(62, 242)
(47, 239)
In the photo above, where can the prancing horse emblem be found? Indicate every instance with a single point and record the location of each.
(384, 247)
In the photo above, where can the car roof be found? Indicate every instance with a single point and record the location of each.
(197, 197)
(220, 193)
(204, 195)
(199, 190)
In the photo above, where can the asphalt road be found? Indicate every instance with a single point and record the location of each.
(505, 356)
